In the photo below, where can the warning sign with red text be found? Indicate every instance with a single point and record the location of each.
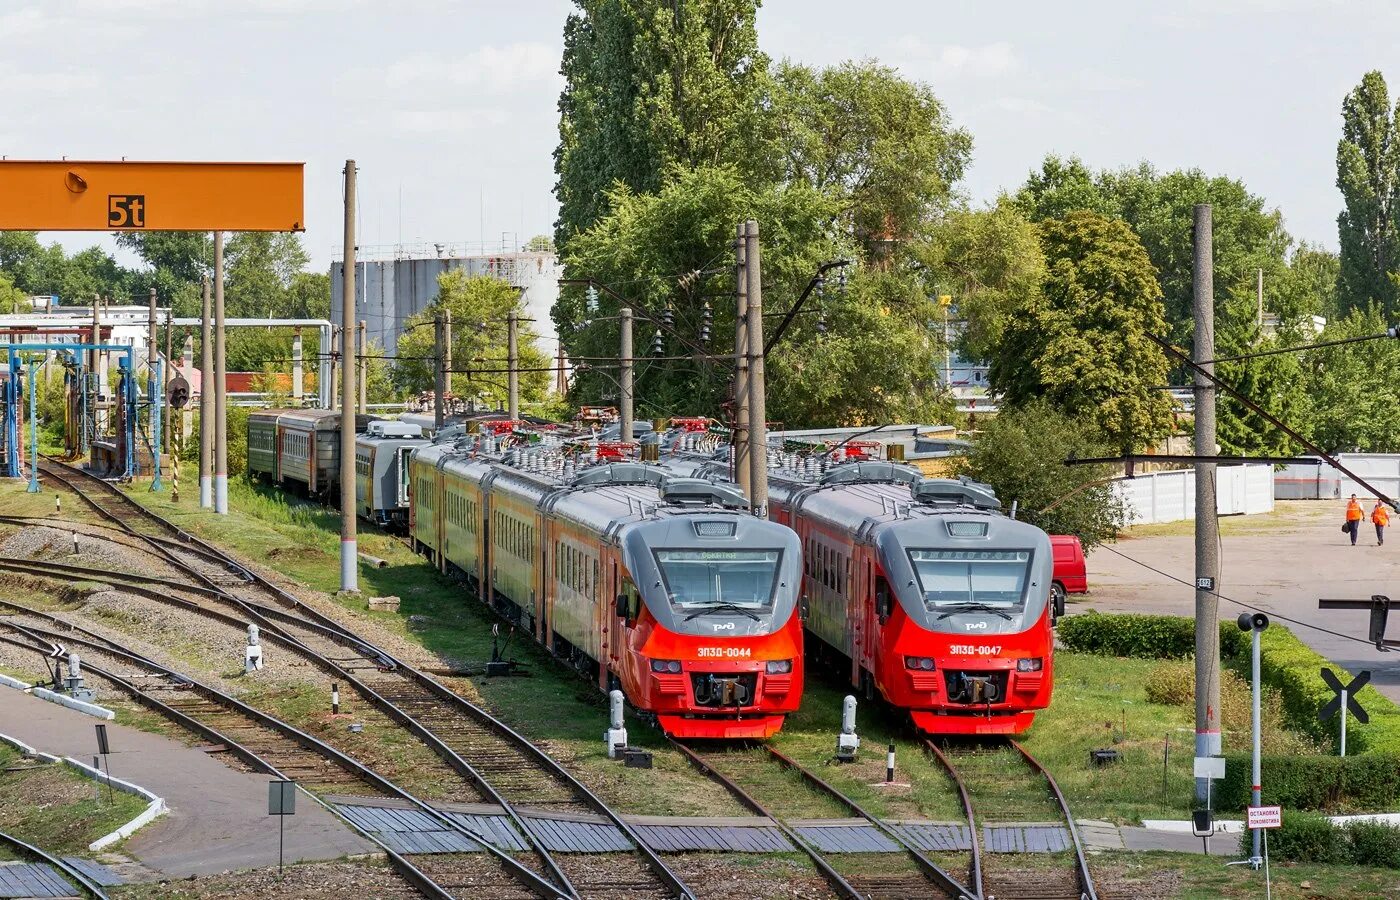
(1264, 817)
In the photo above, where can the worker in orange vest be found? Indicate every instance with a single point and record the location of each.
(1354, 517)
(1380, 517)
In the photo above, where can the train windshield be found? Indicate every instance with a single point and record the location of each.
(698, 580)
(985, 580)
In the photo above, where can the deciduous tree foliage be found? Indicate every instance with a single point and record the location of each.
(1081, 343)
(1368, 175)
(652, 84)
(480, 305)
(1021, 453)
(990, 262)
(882, 143)
(1352, 390)
(648, 249)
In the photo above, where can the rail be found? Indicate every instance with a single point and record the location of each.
(326, 627)
(23, 848)
(103, 645)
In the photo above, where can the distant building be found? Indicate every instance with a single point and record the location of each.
(396, 283)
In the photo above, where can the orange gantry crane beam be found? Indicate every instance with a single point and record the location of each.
(86, 195)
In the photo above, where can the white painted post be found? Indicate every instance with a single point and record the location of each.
(616, 735)
(1344, 723)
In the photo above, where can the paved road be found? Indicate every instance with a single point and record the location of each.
(1280, 563)
(218, 816)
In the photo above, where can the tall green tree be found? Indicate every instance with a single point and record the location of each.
(649, 248)
(1020, 452)
(12, 299)
(990, 262)
(480, 305)
(259, 273)
(652, 84)
(1081, 344)
(1368, 175)
(882, 143)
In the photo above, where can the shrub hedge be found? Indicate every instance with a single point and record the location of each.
(1368, 781)
(1309, 837)
(1294, 670)
(1146, 637)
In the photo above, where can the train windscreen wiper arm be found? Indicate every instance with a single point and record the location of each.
(717, 606)
(974, 607)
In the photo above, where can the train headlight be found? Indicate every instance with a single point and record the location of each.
(918, 662)
(778, 666)
(666, 665)
(1029, 665)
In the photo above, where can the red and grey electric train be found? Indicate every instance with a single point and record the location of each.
(930, 596)
(662, 586)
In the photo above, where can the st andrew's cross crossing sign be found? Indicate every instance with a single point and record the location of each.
(1335, 704)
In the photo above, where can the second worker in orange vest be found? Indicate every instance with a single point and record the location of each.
(1380, 517)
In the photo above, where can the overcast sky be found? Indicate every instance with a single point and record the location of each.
(449, 107)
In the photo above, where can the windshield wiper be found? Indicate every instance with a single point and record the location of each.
(975, 607)
(712, 607)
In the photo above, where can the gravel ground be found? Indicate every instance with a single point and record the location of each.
(95, 550)
(725, 877)
(339, 880)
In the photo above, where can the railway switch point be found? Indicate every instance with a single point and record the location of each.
(616, 736)
(253, 657)
(847, 742)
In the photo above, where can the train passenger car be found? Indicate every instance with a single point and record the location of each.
(308, 449)
(381, 470)
(262, 443)
(935, 600)
(657, 585)
(919, 589)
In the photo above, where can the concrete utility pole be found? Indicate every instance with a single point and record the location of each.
(364, 370)
(439, 372)
(1207, 527)
(349, 557)
(220, 383)
(1259, 294)
(740, 438)
(446, 357)
(152, 340)
(298, 372)
(206, 403)
(758, 397)
(170, 427)
(513, 364)
(624, 403)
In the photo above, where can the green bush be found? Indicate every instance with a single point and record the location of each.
(1308, 837)
(1171, 683)
(1368, 781)
(1304, 837)
(1293, 669)
(1147, 637)
(1374, 844)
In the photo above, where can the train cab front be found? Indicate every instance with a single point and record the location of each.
(716, 651)
(968, 647)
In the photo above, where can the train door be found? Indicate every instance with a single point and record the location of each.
(547, 593)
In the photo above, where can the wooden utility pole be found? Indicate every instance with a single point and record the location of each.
(349, 545)
(758, 398)
(1207, 527)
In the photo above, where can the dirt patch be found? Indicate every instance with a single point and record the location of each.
(731, 877)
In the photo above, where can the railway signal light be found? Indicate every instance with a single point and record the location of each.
(177, 393)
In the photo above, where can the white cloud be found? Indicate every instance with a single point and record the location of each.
(955, 60)
(447, 122)
(487, 69)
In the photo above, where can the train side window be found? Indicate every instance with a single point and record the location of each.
(594, 592)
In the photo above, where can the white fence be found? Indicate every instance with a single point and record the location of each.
(1171, 496)
(1322, 482)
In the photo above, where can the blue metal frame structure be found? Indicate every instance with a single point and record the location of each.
(11, 398)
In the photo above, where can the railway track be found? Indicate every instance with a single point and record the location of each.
(268, 745)
(82, 885)
(745, 773)
(1000, 784)
(505, 767)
